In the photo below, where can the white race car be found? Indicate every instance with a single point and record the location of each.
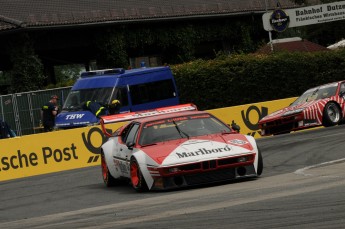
(176, 147)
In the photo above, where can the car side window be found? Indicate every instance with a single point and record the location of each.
(125, 131)
(132, 134)
(342, 89)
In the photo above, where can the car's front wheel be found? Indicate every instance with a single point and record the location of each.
(260, 163)
(137, 179)
(331, 114)
(108, 179)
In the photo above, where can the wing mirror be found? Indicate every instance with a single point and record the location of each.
(235, 127)
(130, 145)
(342, 93)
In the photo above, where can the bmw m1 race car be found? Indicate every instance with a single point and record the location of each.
(175, 147)
(322, 105)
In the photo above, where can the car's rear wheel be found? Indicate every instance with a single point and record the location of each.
(260, 163)
(331, 115)
(137, 179)
(108, 179)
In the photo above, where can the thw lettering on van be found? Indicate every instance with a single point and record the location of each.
(74, 116)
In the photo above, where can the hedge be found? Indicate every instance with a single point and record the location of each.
(241, 78)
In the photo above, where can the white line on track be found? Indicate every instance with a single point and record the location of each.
(303, 170)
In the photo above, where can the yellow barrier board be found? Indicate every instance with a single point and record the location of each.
(51, 152)
(247, 116)
(77, 148)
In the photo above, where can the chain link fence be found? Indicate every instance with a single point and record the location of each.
(22, 111)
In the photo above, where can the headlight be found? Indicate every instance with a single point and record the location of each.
(242, 159)
(293, 112)
(173, 170)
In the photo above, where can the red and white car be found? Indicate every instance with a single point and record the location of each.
(176, 147)
(322, 105)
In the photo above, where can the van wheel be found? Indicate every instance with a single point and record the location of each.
(108, 179)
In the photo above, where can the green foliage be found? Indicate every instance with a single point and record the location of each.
(176, 43)
(67, 72)
(242, 79)
(112, 49)
(4, 78)
(27, 72)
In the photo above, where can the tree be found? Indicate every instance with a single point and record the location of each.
(27, 72)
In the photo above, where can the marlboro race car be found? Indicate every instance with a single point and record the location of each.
(322, 105)
(175, 147)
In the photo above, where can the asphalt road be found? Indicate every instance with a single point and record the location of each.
(302, 186)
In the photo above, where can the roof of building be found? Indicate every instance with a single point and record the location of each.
(56, 13)
(294, 44)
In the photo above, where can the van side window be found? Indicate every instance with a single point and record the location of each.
(153, 91)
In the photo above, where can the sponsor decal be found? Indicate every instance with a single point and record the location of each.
(123, 166)
(203, 151)
(238, 142)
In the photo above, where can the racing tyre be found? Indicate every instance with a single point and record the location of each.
(260, 163)
(108, 179)
(137, 179)
(331, 115)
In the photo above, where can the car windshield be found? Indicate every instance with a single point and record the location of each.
(313, 94)
(181, 127)
(77, 98)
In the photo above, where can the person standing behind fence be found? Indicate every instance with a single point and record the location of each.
(49, 112)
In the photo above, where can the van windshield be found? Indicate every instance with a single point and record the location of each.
(77, 98)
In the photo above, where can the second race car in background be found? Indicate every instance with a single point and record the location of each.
(176, 147)
(322, 105)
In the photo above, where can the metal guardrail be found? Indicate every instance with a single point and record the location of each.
(22, 111)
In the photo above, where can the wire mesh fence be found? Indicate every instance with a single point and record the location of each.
(22, 111)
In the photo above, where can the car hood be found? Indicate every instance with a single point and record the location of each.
(198, 149)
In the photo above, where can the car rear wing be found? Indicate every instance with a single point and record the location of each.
(142, 114)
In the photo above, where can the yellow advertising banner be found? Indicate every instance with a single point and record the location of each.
(51, 152)
(247, 116)
(77, 148)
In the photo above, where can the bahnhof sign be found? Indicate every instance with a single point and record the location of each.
(280, 19)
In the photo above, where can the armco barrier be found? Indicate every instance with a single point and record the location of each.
(77, 148)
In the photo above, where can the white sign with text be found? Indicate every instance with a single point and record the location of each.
(308, 15)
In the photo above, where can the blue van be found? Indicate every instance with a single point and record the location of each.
(136, 89)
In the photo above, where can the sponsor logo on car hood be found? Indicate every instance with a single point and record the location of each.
(198, 149)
